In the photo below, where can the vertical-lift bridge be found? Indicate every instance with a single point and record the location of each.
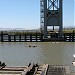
(51, 15)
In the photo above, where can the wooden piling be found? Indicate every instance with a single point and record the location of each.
(9, 38)
(1, 36)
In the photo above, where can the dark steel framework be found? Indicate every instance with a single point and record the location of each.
(51, 15)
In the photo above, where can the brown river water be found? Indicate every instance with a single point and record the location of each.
(21, 53)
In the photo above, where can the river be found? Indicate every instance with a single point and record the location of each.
(20, 54)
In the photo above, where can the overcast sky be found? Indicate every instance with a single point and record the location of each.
(26, 13)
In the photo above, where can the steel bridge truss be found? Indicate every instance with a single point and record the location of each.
(51, 15)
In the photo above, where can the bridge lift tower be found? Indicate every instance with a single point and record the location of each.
(51, 15)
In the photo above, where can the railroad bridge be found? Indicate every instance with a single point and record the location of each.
(51, 15)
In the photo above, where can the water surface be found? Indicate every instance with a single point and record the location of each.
(20, 54)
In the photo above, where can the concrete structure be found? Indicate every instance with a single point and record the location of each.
(51, 15)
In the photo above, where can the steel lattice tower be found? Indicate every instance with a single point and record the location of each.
(51, 15)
